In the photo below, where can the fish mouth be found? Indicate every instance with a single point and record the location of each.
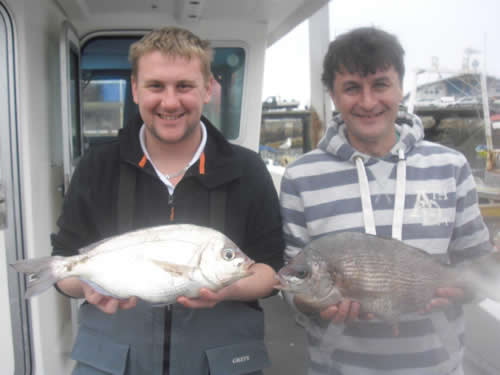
(282, 284)
(247, 265)
(281, 287)
(245, 270)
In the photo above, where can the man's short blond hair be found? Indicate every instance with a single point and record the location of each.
(174, 42)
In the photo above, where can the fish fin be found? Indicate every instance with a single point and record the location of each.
(40, 273)
(177, 269)
(89, 248)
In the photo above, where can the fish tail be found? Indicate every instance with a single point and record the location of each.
(484, 275)
(42, 273)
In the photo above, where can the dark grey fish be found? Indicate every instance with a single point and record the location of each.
(387, 277)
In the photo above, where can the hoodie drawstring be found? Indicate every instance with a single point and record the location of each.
(366, 202)
(399, 199)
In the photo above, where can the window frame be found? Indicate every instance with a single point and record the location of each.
(241, 129)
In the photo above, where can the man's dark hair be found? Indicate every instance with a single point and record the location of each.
(363, 50)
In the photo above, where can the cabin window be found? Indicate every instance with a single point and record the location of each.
(107, 103)
(224, 110)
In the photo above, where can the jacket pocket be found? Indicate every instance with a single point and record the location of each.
(98, 355)
(245, 358)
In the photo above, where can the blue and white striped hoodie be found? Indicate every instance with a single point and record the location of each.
(337, 188)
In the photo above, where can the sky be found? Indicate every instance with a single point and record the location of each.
(427, 29)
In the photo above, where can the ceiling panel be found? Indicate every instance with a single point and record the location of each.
(279, 16)
(128, 6)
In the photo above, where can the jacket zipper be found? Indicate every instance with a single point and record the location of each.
(172, 207)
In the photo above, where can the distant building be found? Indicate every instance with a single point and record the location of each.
(453, 88)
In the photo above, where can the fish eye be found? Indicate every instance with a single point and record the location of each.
(302, 274)
(228, 254)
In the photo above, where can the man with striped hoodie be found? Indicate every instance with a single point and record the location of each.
(373, 172)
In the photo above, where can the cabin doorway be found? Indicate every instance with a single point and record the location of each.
(15, 330)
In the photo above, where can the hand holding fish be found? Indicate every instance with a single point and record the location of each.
(207, 299)
(339, 313)
(258, 285)
(344, 312)
(444, 297)
(77, 288)
(107, 304)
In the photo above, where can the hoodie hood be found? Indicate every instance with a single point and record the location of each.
(410, 130)
(335, 141)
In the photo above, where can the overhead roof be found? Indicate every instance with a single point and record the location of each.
(278, 16)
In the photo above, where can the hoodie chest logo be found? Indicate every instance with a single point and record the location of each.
(427, 208)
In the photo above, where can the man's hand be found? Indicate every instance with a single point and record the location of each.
(207, 299)
(107, 304)
(74, 287)
(259, 284)
(344, 312)
(444, 297)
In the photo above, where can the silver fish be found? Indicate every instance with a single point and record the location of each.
(386, 276)
(156, 264)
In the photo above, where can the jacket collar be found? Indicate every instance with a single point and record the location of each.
(220, 165)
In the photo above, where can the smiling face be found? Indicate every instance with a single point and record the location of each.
(369, 106)
(170, 92)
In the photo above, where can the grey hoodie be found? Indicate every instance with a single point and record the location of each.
(421, 192)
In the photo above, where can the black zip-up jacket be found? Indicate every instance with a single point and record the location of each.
(198, 341)
(252, 209)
